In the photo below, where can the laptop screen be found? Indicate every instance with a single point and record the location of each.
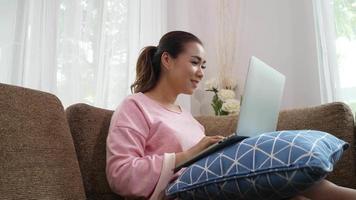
(261, 100)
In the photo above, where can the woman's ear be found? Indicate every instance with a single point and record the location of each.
(167, 61)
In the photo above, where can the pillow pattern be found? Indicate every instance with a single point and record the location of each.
(274, 165)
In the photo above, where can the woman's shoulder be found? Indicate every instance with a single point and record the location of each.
(136, 104)
(130, 113)
(130, 101)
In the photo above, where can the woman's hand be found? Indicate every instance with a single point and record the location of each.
(204, 143)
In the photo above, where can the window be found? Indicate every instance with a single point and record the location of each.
(345, 25)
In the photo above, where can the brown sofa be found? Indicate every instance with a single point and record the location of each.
(47, 152)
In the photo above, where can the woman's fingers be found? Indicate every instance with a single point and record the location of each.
(216, 136)
(214, 139)
(207, 141)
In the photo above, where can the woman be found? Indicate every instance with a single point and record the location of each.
(149, 134)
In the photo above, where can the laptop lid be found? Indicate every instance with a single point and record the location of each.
(261, 100)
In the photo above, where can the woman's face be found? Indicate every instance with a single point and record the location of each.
(187, 69)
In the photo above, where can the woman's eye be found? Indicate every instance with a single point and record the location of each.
(197, 63)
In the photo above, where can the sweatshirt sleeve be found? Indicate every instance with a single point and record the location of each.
(129, 171)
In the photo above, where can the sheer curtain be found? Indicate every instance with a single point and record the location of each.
(84, 50)
(98, 44)
(31, 52)
(325, 40)
(335, 22)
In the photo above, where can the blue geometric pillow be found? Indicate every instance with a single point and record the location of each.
(273, 165)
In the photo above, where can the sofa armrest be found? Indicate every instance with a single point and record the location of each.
(37, 156)
(335, 118)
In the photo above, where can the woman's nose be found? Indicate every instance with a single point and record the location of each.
(200, 73)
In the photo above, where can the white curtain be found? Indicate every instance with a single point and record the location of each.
(336, 45)
(325, 40)
(227, 31)
(31, 53)
(83, 50)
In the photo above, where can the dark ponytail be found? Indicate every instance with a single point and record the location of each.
(148, 67)
(147, 70)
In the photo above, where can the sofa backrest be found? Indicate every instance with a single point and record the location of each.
(37, 155)
(89, 127)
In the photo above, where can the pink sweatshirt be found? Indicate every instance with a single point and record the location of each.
(141, 145)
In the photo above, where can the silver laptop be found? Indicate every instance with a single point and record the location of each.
(259, 109)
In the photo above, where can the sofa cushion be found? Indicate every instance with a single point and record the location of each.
(37, 156)
(273, 165)
(335, 118)
(89, 126)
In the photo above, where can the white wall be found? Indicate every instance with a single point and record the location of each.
(280, 32)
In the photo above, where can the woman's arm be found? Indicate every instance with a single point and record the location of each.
(129, 171)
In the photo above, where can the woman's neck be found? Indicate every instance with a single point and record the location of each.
(163, 94)
(163, 98)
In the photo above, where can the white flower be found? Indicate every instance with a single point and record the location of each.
(229, 83)
(211, 84)
(231, 106)
(225, 94)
